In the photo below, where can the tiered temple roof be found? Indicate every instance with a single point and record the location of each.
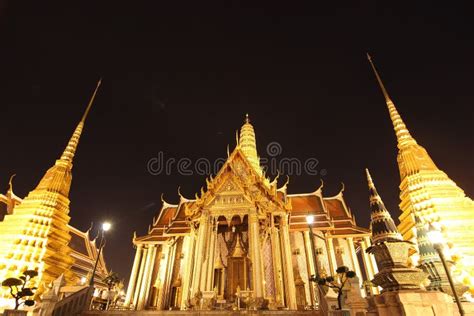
(331, 213)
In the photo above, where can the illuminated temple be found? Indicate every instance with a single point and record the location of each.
(244, 239)
(35, 233)
(244, 236)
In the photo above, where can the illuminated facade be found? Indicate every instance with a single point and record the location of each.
(243, 237)
(429, 195)
(35, 232)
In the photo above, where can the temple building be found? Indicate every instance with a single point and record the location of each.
(35, 233)
(244, 240)
(427, 193)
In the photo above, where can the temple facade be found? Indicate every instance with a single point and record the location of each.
(244, 240)
(429, 195)
(35, 233)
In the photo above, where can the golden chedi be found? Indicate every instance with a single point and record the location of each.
(35, 233)
(428, 192)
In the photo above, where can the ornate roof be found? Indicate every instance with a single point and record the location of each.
(331, 213)
(240, 184)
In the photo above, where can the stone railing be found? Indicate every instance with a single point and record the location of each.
(74, 304)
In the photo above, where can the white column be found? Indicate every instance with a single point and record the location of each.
(144, 283)
(210, 255)
(133, 276)
(169, 273)
(288, 264)
(162, 274)
(310, 263)
(355, 261)
(331, 255)
(188, 244)
(255, 254)
(368, 265)
(136, 292)
(150, 274)
(199, 255)
(371, 256)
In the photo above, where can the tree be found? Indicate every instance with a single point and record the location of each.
(20, 290)
(342, 275)
(112, 279)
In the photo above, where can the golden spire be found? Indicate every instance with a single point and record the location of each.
(44, 213)
(248, 144)
(71, 147)
(403, 135)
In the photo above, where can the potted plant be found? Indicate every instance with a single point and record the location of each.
(21, 291)
(337, 283)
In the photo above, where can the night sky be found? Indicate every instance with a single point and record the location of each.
(180, 79)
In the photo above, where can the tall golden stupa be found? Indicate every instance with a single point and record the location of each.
(35, 234)
(428, 192)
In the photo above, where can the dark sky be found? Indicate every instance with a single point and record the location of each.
(179, 79)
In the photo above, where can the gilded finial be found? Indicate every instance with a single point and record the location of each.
(379, 80)
(247, 120)
(369, 177)
(403, 135)
(91, 101)
(10, 183)
(71, 147)
(90, 228)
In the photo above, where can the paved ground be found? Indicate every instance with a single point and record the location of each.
(199, 313)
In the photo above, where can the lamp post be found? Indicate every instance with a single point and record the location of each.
(105, 227)
(436, 239)
(310, 221)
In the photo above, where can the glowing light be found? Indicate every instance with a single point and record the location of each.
(106, 226)
(435, 236)
(83, 280)
(310, 219)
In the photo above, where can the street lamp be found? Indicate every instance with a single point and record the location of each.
(437, 240)
(105, 227)
(310, 221)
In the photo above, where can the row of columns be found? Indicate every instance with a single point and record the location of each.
(370, 267)
(140, 279)
(199, 258)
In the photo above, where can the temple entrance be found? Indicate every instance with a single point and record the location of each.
(233, 270)
(237, 277)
